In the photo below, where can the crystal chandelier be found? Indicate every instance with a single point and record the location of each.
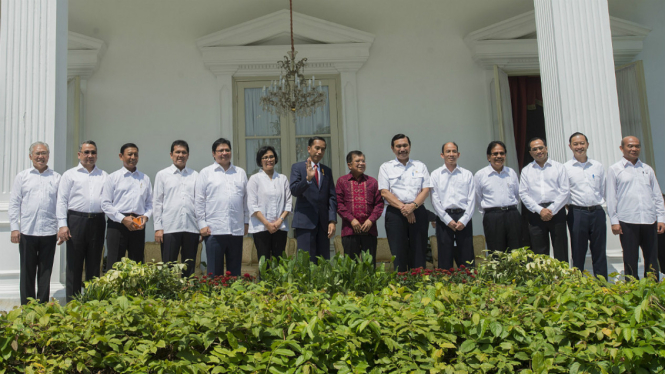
(292, 92)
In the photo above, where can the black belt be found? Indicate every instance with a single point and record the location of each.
(587, 208)
(130, 214)
(86, 215)
(455, 211)
(504, 208)
(545, 205)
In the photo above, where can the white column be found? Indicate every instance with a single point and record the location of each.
(350, 110)
(577, 74)
(33, 103)
(579, 83)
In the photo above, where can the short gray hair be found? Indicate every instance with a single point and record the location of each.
(33, 145)
(87, 142)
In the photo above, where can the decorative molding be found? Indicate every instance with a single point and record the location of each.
(334, 49)
(511, 44)
(83, 55)
(277, 24)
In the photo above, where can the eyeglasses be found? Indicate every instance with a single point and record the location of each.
(269, 157)
(498, 153)
(89, 152)
(537, 148)
(40, 153)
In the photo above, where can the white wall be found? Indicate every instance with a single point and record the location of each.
(651, 13)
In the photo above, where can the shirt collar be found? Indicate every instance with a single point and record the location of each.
(503, 170)
(626, 162)
(174, 169)
(125, 171)
(219, 167)
(275, 174)
(82, 168)
(317, 165)
(547, 163)
(363, 177)
(396, 162)
(34, 169)
(444, 169)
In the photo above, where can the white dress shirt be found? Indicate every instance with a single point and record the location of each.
(453, 190)
(633, 194)
(173, 200)
(542, 185)
(127, 192)
(32, 202)
(80, 191)
(270, 196)
(496, 189)
(404, 181)
(221, 200)
(587, 182)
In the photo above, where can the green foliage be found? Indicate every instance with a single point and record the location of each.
(572, 325)
(522, 266)
(129, 278)
(339, 274)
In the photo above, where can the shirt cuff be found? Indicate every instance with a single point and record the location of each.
(465, 220)
(62, 223)
(14, 227)
(158, 226)
(309, 182)
(118, 217)
(661, 219)
(614, 221)
(203, 224)
(447, 219)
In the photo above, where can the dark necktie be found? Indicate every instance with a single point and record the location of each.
(316, 174)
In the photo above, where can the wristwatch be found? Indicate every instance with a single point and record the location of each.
(416, 204)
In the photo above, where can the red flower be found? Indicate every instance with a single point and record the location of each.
(209, 273)
(228, 272)
(462, 267)
(247, 275)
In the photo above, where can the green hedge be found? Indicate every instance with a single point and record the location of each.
(489, 325)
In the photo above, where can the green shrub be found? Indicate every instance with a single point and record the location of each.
(522, 266)
(129, 278)
(339, 274)
(535, 324)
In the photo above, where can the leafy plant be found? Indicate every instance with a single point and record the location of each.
(339, 274)
(522, 266)
(136, 279)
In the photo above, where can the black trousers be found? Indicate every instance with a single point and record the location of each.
(120, 240)
(635, 236)
(354, 245)
(36, 258)
(503, 229)
(221, 247)
(457, 245)
(408, 242)
(85, 247)
(171, 247)
(661, 250)
(554, 230)
(270, 245)
(314, 241)
(588, 229)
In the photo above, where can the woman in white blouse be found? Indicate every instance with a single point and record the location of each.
(269, 203)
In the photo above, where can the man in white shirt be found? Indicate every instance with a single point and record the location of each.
(127, 201)
(586, 218)
(404, 185)
(81, 219)
(173, 209)
(33, 224)
(453, 198)
(544, 190)
(221, 210)
(635, 207)
(497, 196)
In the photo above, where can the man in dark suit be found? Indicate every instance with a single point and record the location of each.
(315, 214)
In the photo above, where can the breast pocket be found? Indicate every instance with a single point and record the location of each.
(238, 188)
(415, 182)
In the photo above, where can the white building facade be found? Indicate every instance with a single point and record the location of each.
(153, 71)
